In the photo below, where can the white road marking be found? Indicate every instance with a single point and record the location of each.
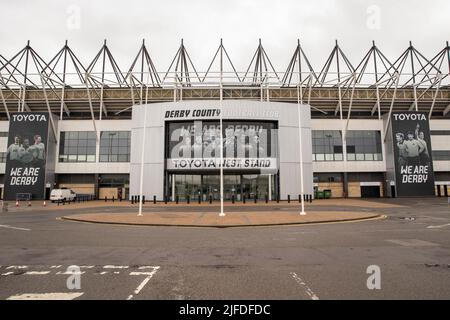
(47, 296)
(7, 273)
(71, 273)
(412, 242)
(436, 227)
(37, 272)
(115, 267)
(15, 228)
(302, 283)
(144, 282)
(17, 267)
(56, 267)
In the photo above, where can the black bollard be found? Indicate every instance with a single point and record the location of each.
(278, 198)
(176, 199)
(154, 199)
(188, 199)
(210, 199)
(132, 199)
(106, 199)
(289, 198)
(113, 199)
(199, 199)
(267, 198)
(232, 199)
(165, 199)
(143, 199)
(243, 199)
(256, 198)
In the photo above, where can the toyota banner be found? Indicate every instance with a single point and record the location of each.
(26, 156)
(412, 154)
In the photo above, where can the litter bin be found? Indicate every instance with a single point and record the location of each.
(327, 194)
(320, 195)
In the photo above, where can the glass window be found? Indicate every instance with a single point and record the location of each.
(441, 155)
(115, 146)
(327, 145)
(364, 145)
(73, 146)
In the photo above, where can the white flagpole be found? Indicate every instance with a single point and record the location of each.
(222, 214)
(302, 191)
(142, 163)
(141, 186)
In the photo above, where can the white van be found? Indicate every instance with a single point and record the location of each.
(62, 194)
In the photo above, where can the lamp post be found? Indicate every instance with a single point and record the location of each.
(111, 135)
(329, 136)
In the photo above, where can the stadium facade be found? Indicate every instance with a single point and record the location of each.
(379, 128)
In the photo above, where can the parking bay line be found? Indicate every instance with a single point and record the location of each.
(302, 283)
(37, 272)
(144, 282)
(47, 296)
(437, 227)
(15, 228)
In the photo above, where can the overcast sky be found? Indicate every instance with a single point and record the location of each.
(85, 23)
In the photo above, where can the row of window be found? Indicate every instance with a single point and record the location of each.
(79, 146)
(350, 156)
(441, 155)
(440, 132)
(362, 145)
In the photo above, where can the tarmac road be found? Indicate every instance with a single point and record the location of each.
(329, 261)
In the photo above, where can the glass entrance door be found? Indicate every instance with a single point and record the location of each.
(232, 187)
(204, 186)
(211, 187)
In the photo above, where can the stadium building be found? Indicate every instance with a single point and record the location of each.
(378, 128)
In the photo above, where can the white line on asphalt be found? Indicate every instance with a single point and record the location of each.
(15, 228)
(47, 296)
(38, 273)
(144, 282)
(7, 273)
(308, 290)
(71, 273)
(56, 267)
(436, 227)
(115, 267)
(17, 267)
